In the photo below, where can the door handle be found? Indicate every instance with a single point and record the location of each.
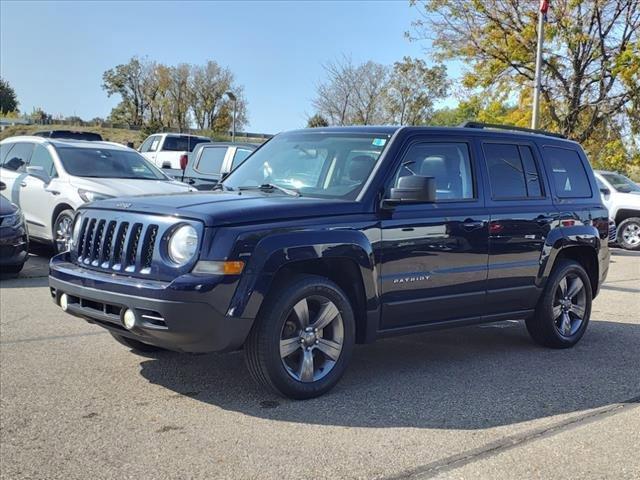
(23, 184)
(472, 224)
(545, 220)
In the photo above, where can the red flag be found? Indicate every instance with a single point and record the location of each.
(544, 8)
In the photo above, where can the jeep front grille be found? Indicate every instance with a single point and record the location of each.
(125, 243)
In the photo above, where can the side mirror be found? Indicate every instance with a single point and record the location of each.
(3, 186)
(605, 191)
(38, 172)
(413, 189)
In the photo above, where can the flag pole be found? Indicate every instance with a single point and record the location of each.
(542, 17)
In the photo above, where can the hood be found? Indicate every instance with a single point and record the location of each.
(228, 208)
(6, 207)
(118, 187)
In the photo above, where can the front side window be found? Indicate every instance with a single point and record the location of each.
(211, 160)
(621, 183)
(449, 163)
(568, 173)
(146, 145)
(313, 163)
(42, 158)
(17, 158)
(107, 163)
(512, 171)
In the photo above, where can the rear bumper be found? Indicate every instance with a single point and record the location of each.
(177, 324)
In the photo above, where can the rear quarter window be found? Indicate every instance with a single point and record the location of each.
(567, 172)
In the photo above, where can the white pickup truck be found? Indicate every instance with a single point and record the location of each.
(622, 197)
(170, 150)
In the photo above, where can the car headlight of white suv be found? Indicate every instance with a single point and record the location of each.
(89, 196)
(183, 244)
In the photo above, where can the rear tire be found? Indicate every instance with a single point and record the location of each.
(136, 346)
(563, 311)
(629, 234)
(303, 338)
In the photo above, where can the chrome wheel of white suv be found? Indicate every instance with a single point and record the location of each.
(629, 233)
(62, 231)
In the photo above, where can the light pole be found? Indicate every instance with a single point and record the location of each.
(233, 98)
(542, 18)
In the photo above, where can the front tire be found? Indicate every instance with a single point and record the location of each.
(629, 234)
(135, 345)
(563, 311)
(302, 340)
(62, 231)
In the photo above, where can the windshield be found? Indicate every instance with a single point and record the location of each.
(621, 183)
(315, 164)
(107, 163)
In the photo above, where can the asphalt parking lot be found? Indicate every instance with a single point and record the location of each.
(476, 402)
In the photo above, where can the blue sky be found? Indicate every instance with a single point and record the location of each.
(54, 53)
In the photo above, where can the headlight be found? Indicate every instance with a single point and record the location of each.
(183, 244)
(89, 196)
(12, 220)
(76, 230)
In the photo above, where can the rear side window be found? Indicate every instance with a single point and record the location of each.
(211, 160)
(182, 144)
(18, 157)
(240, 156)
(512, 171)
(567, 172)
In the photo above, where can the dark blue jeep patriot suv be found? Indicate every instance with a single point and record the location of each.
(328, 237)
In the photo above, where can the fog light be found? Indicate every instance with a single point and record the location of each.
(64, 302)
(129, 319)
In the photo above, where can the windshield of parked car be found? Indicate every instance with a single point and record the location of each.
(315, 164)
(107, 163)
(621, 183)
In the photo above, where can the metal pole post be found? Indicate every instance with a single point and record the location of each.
(538, 77)
(233, 132)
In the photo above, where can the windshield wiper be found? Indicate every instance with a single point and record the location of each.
(270, 187)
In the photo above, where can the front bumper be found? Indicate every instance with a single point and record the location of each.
(14, 245)
(179, 316)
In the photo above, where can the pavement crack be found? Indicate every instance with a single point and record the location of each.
(494, 448)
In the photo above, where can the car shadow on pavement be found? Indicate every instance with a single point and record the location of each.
(468, 378)
(35, 271)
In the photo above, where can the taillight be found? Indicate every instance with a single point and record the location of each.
(184, 159)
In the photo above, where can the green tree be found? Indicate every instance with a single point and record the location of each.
(8, 98)
(317, 121)
(412, 91)
(127, 80)
(591, 57)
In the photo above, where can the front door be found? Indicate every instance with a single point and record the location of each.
(434, 256)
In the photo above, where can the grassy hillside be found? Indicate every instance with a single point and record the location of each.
(119, 135)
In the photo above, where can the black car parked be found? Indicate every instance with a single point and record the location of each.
(328, 237)
(70, 135)
(14, 241)
(210, 162)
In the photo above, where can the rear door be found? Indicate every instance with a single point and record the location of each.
(434, 256)
(522, 216)
(38, 199)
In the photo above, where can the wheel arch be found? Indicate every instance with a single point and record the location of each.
(344, 257)
(625, 213)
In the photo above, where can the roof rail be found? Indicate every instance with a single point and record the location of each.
(472, 124)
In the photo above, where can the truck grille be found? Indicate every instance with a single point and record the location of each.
(125, 243)
(613, 232)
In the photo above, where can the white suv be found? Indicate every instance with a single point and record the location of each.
(170, 150)
(622, 197)
(49, 178)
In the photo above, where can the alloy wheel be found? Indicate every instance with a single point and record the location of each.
(312, 339)
(63, 233)
(570, 305)
(631, 234)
